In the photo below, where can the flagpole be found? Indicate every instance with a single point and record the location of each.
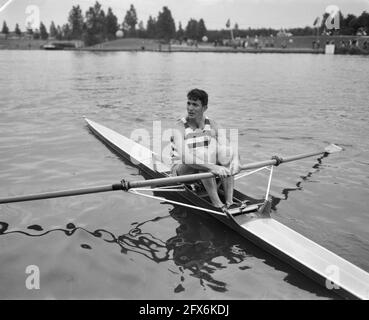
(317, 23)
(316, 40)
(228, 25)
(317, 35)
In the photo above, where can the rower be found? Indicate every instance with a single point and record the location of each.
(195, 148)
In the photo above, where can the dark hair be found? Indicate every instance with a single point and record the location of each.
(198, 94)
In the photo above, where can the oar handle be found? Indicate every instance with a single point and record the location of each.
(64, 193)
(165, 181)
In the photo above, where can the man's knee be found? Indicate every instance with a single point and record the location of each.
(182, 169)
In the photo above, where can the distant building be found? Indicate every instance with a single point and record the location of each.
(63, 44)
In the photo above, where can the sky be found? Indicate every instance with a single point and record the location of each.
(247, 13)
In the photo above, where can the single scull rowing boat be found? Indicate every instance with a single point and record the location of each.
(252, 220)
(254, 223)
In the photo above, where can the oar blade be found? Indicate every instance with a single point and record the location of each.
(332, 148)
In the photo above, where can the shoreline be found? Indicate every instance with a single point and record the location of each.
(296, 45)
(207, 50)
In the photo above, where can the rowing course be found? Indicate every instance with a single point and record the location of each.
(175, 256)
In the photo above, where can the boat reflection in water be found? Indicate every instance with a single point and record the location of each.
(202, 248)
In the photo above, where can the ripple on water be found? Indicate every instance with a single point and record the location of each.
(88, 247)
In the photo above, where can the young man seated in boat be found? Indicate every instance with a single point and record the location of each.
(196, 147)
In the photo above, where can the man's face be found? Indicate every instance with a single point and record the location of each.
(195, 108)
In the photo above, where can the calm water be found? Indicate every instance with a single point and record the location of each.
(120, 246)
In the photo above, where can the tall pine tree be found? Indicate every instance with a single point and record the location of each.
(192, 29)
(43, 32)
(53, 32)
(95, 26)
(165, 25)
(5, 28)
(180, 32)
(151, 28)
(130, 20)
(201, 29)
(17, 30)
(76, 21)
(111, 24)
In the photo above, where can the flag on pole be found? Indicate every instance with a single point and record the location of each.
(228, 24)
(317, 22)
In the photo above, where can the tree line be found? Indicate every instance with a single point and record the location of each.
(351, 24)
(96, 26)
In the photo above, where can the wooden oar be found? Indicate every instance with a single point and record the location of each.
(126, 185)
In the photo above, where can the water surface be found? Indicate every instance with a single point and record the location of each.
(117, 245)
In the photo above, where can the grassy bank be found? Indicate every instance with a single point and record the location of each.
(298, 44)
(155, 45)
(21, 44)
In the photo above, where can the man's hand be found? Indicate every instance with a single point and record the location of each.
(220, 171)
(235, 167)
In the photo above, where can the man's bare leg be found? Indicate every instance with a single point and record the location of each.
(210, 184)
(228, 186)
(212, 190)
(224, 157)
